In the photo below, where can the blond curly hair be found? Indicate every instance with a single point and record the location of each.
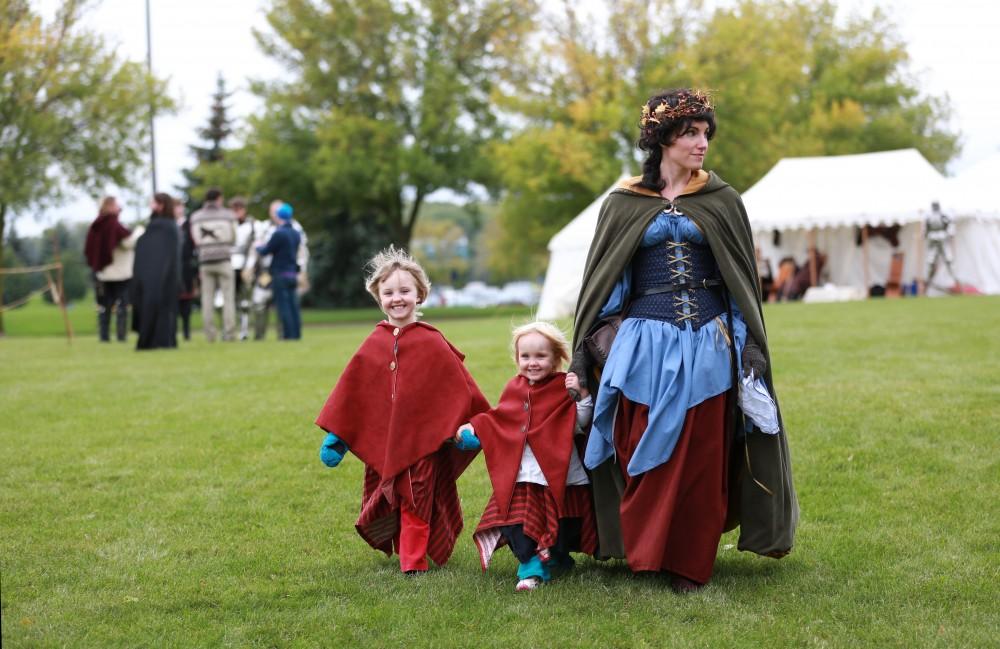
(389, 260)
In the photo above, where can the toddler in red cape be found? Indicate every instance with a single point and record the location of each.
(541, 504)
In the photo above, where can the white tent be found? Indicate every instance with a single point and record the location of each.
(971, 198)
(973, 193)
(825, 200)
(567, 256)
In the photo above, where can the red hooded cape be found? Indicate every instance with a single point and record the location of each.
(543, 415)
(402, 395)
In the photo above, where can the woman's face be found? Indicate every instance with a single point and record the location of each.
(155, 206)
(689, 149)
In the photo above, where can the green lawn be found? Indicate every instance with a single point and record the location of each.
(41, 319)
(176, 499)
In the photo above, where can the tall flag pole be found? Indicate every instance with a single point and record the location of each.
(149, 64)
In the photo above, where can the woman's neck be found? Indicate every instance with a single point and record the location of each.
(676, 177)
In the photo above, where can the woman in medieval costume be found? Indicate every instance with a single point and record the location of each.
(674, 462)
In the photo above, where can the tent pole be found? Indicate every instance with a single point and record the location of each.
(813, 274)
(864, 259)
(921, 240)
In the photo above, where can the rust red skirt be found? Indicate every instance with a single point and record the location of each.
(533, 506)
(672, 516)
(428, 489)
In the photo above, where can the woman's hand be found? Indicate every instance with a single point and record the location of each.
(753, 358)
(574, 387)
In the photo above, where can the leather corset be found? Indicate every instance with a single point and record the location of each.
(664, 279)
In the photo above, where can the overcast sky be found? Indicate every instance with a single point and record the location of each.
(952, 46)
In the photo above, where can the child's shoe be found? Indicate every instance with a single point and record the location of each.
(531, 583)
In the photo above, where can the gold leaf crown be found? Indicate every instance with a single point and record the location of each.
(696, 102)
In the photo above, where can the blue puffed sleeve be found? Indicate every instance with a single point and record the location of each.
(619, 295)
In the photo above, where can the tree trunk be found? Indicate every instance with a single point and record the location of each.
(3, 227)
(408, 225)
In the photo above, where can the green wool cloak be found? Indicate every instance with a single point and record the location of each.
(762, 499)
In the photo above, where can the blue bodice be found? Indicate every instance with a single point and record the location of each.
(670, 356)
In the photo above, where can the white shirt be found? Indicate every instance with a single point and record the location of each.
(530, 471)
(122, 259)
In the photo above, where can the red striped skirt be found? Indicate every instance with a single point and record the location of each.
(533, 506)
(428, 489)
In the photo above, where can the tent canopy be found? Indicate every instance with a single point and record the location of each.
(973, 192)
(568, 250)
(885, 188)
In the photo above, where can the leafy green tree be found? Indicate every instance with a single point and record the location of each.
(580, 98)
(398, 95)
(73, 113)
(70, 239)
(788, 80)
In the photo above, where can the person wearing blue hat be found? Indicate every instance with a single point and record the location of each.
(283, 246)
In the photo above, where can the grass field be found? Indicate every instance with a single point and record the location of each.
(38, 319)
(176, 499)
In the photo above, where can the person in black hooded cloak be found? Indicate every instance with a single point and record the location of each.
(156, 278)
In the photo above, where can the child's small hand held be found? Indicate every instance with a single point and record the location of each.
(333, 450)
(574, 388)
(466, 440)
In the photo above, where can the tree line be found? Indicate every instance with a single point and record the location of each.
(383, 102)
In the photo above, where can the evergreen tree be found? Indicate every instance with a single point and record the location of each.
(214, 134)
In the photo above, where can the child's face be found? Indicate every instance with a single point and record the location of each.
(398, 296)
(535, 359)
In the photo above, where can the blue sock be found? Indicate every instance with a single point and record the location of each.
(533, 568)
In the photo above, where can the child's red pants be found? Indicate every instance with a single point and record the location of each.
(411, 542)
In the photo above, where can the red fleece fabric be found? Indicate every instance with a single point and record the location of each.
(402, 395)
(103, 236)
(542, 415)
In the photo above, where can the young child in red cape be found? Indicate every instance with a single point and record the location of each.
(541, 503)
(396, 407)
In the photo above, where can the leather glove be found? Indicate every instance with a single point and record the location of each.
(753, 358)
(333, 450)
(466, 439)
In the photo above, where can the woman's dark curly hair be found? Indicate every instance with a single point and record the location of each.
(665, 116)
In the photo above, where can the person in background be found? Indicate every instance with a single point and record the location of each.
(157, 278)
(283, 247)
(189, 269)
(109, 250)
(213, 229)
(940, 231)
(257, 271)
(245, 237)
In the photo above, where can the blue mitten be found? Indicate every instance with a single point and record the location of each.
(333, 450)
(467, 440)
